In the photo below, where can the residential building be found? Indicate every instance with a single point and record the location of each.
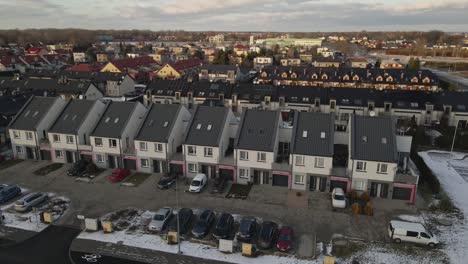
(357, 62)
(290, 62)
(260, 62)
(214, 73)
(172, 71)
(391, 64)
(327, 62)
(79, 57)
(102, 57)
(216, 39)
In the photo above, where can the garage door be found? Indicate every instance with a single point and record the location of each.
(45, 154)
(280, 180)
(226, 173)
(130, 164)
(402, 193)
(338, 184)
(176, 169)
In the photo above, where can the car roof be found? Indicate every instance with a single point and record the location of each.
(338, 191)
(163, 210)
(411, 226)
(199, 176)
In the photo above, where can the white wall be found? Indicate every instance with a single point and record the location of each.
(150, 153)
(90, 122)
(309, 168)
(93, 93)
(105, 146)
(63, 141)
(371, 171)
(200, 155)
(179, 130)
(253, 162)
(22, 140)
(132, 126)
(50, 117)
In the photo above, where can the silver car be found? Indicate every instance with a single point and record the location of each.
(29, 201)
(160, 219)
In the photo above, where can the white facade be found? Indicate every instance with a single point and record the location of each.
(116, 88)
(304, 166)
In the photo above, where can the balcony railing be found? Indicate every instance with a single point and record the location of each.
(340, 172)
(85, 147)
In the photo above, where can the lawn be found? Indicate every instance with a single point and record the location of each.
(136, 179)
(8, 163)
(48, 169)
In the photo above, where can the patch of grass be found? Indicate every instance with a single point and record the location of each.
(347, 250)
(136, 179)
(8, 163)
(48, 169)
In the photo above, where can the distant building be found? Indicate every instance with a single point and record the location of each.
(260, 62)
(356, 62)
(79, 57)
(390, 64)
(304, 42)
(290, 62)
(216, 39)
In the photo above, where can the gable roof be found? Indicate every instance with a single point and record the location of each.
(71, 118)
(114, 119)
(219, 68)
(206, 126)
(373, 139)
(313, 134)
(258, 130)
(32, 113)
(132, 63)
(158, 123)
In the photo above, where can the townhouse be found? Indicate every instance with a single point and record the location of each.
(224, 73)
(28, 130)
(112, 139)
(160, 136)
(178, 69)
(68, 136)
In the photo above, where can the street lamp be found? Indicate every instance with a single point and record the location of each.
(454, 135)
(178, 216)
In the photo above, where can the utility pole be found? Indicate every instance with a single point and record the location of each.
(454, 135)
(178, 215)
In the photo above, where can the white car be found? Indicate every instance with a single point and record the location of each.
(400, 231)
(338, 198)
(198, 183)
(160, 219)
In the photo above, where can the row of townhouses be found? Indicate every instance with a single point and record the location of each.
(294, 150)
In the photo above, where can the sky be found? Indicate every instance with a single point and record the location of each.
(238, 15)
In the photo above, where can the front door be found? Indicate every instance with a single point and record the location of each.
(317, 183)
(111, 161)
(69, 156)
(29, 153)
(379, 190)
(265, 177)
(256, 176)
(156, 166)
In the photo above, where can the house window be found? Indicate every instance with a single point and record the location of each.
(208, 152)
(192, 151)
(144, 163)
(360, 166)
(244, 173)
(319, 162)
(112, 143)
(300, 160)
(388, 106)
(359, 184)
(332, 104)
(99, 158)
(192, 167)
(382, 168)
(56, 138)
(98, 142)
(16, 134)
(158, 147)
(58, 154)
(261, 157)
(70, 140)
(19, 150)
(299, 179)
(244, 155)
(143, 146)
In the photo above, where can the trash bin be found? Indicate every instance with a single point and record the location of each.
(107, 226)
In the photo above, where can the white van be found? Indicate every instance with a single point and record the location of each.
(411, 232)
(198, 183)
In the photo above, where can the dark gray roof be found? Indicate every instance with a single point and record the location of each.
(71, 118)
(220, 68)
(200, 133)
(318, 139)
(373, 139)
(114, 119)
(257, 130)
(33, 112)
(158, 122)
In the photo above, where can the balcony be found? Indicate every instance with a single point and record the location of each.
(281, 166)
(130, 151)
(178, 156)
(228, 160)
(410, 175)
(44, 142)
(340, 172)
(85, 147)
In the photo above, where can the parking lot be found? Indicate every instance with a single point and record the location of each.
(99, 197)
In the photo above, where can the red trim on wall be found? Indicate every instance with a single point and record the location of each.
(347, 180)
(408, 186)
(284, 173)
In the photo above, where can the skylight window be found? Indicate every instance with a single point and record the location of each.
(166, 124)
(35, 113)
(384, 140)
(199, 126)
(27, 113)
(209, 127)
(74, 117)
(364, 138)
(151, 122)
(304, 134)
(116, 120)
(107, 119)
(65, 117)
(322, 134)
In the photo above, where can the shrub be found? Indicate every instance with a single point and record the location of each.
(353, 195)
(365, 196)
(446, 204)
(368, 209)
(298, 194)
(356, 207)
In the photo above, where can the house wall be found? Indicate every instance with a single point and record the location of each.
(110, 68)
(132, 126)
(22, 140)
(150, 153)
(371, 172)
(226, 134)
(200, 158)
(252, 163)
(63, 142)
(179, 130)
(49, 118)
(90, 122)
(167, 71)
(105, 146)
(308, 169)
(93, 93)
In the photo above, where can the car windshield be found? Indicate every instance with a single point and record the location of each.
(19, 202)
(196, 183)
(245, 225)
(339, 197)
(266, 232)
(115, 174)
(158, 217)
(204, 216)
(284, 237)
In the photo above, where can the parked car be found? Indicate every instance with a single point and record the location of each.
(166, 181)
(119, 174)
(79, 168)
(8, 192)
(160, 219)
(411, 232)
(223, 226)
(204, 223)
(198, 183)
(285, 239)
(338, 198)
(184, 215)
(268, 234)
(247, 228)
(29, 201)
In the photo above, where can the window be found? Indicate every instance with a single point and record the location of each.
(332, 104)
(16, 134)
(19, 150)
(112, 143)
(208, 152)
(99, 158)
(29, 135)
(244, 173)
(143, 146)
(360, 166)
(144, 163)
(191, 150)
(299, 179)
(158, 147)
(98, 142)
(425, 235)
(319, 162)
(411, 234)
(304, 134)
(56, 138)
(261, 157)
(359, 185)
(192, 167)
(299, 160)
(58, 154)
(70, 140)
(382, 168)
(244, 155)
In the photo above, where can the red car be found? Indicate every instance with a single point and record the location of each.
(118, 175)
(285, 239)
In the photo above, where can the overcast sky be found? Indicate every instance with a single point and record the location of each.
(237, 15)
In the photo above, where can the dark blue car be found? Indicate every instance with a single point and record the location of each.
(9, 192)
